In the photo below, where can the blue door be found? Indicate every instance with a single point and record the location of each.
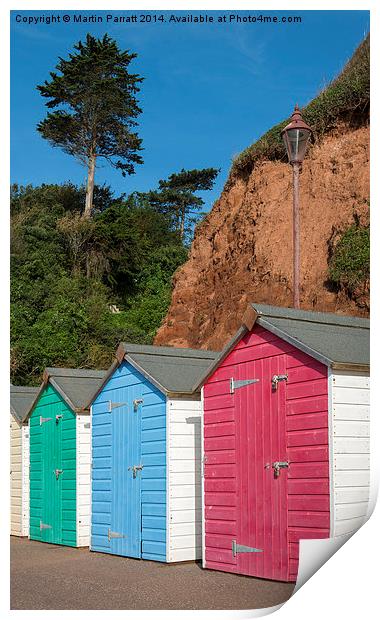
(128, 515)
(125, 532)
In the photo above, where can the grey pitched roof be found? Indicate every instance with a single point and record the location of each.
(332, 338)
(335, 340)
(21, 398)
(172, 370)
(75, 385)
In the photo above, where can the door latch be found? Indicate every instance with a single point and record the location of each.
(276, 379)
(58, 417)
(135, 469)
(136, 403)
(57, 473)
(278, 465)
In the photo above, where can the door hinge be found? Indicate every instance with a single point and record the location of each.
(112, 405)
(45, 526)
(115, 535)
(243, 549)
(235, 385)
(42, 420)
(276, 379)
(137, 402)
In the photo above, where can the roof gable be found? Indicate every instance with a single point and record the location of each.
(335, 340)
(21, 398)
(330, 338)
(172, 370)
(75, 385)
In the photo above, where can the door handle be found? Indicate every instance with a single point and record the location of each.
(57, 473)
(135, 468)
(278, 465)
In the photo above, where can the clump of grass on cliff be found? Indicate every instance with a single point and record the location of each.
(346, 99)
(349, 263)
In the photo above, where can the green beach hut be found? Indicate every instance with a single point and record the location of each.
(60, 457)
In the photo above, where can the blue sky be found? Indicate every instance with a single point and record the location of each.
(210, 90)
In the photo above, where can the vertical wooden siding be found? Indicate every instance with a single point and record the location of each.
(307, 444)
(45, 505)
(153, 456)
(16, 477)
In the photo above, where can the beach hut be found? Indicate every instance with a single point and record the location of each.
(146, 469)
(59, 426)
(285, 439)
(21, 398)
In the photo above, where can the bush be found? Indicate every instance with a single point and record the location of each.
(349, 264)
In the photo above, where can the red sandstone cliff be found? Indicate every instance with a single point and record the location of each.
(242, 251)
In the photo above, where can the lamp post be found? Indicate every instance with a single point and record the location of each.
(296, 136)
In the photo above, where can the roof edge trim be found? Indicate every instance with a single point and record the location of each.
(308, 319)
(115, 364)
(145, 374)
(293, 341)
(63, 394)
(14, 415)
(222, 356)
(250, 317)
(35, 401)
(350, 366)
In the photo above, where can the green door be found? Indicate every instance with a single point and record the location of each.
(53, 471)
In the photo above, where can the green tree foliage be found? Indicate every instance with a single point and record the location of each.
(95, 108)
(176, 197)
(67, 273)
(349, 264)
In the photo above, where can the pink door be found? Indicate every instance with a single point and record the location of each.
(261, 486)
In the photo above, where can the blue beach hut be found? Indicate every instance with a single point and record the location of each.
(146, 454)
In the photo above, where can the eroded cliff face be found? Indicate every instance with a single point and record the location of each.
(242, 251)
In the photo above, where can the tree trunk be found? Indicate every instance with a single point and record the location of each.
(90, 186)
(182, 223)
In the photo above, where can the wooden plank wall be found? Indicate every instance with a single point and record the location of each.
(184, 480)
(308, 452)
(350, 450)
(307, 441)
(83, 454)
(16, 477)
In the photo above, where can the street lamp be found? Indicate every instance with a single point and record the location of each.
(296, 136)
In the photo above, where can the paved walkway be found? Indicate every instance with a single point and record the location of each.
(45, 576)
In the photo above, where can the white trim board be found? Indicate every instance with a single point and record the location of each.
(83, 479)
(349, 450)
(183, 486)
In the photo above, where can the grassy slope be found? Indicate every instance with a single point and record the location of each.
(345, 100)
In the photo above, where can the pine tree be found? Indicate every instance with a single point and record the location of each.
(95, 108)
(176, 195)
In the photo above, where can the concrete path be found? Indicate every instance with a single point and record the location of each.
(45, 576)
